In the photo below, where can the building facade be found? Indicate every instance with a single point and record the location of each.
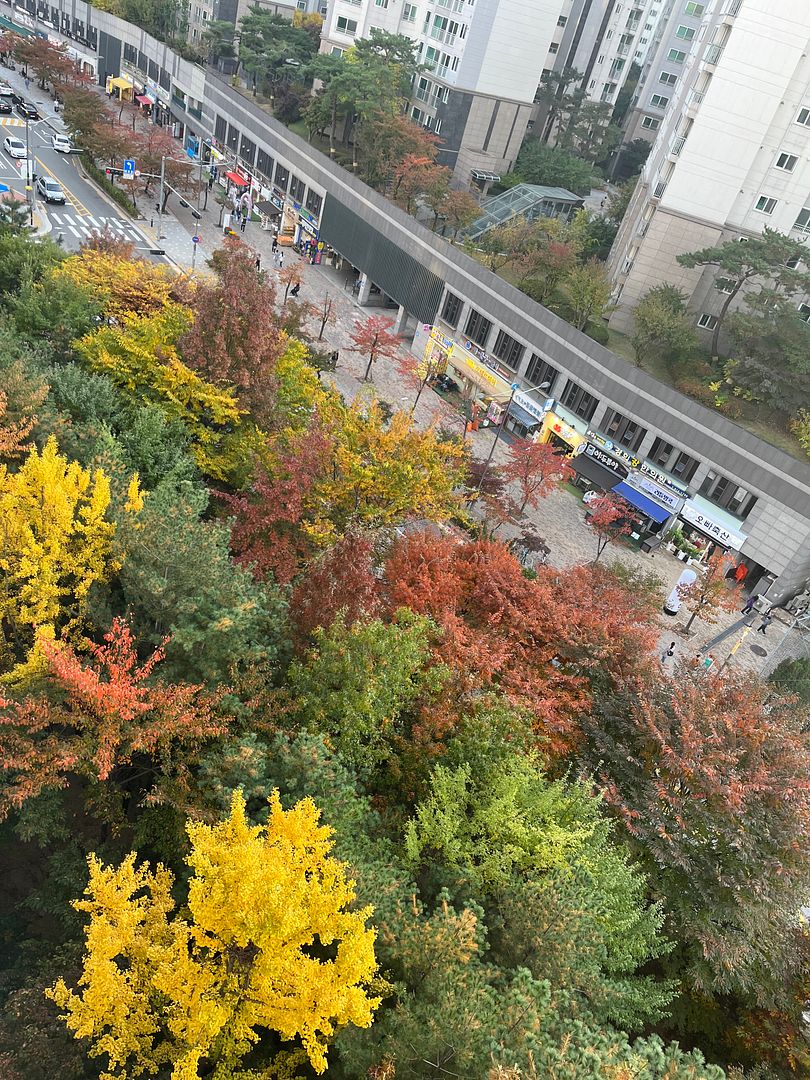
(481, 62)
(731, 153)
(736, 490)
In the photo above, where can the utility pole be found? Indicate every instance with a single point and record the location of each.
(160, 199)
(29, 178)
(194, 247)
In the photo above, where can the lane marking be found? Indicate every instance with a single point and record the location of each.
(74, 231)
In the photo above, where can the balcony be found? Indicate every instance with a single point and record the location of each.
(713, 54)
(677, 145)
(733, 8)
(659, 189)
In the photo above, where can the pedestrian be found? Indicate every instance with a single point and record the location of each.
(258, 263)
(668, 658)
(281, 260)
(296, 289)
(27, 82)
(709, 662)
(274, 248)
(749, 604)
(243, 222)
(767, 619)
(334, 357)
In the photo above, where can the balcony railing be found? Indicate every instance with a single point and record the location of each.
(713, 54)
(733, 7)
(677, 145)
(659, 189)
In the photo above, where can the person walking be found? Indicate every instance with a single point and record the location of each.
(749, 604)
(296, 289)
(258, 264)
(243, 222)
(767, 619)
(668, 659)
(274, 248)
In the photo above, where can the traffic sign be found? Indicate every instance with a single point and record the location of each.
(196, 239)
(129, 169)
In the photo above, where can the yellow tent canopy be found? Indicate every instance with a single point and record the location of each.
(120, 84)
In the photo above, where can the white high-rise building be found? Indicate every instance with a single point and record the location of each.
(732, 154)
(482, 61)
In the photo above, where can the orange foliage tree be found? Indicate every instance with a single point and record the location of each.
(373, 338)
(710, 593)
(607, 519)
(536, 468)
(105, 714)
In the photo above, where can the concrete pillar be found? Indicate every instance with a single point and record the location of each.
(365, 290)
(401, 321)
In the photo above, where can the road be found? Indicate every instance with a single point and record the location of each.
(87, 209)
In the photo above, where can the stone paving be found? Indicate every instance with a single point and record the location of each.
(560, 519)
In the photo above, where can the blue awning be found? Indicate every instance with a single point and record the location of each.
(649, 507)
(523, 416)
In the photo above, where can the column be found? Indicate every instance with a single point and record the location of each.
(401, 321)
(365, 290)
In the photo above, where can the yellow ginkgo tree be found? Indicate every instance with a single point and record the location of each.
(55, 542)
(268, 940)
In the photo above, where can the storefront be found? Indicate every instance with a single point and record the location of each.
(306, 228)
(269, 208)
(655, 503)
(525, 415)
(596, 469)
(480, 383)
(120, 87)
(703, 521)
(436, 353)
(560, 432)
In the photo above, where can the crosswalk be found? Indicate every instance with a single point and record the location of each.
(84, 225)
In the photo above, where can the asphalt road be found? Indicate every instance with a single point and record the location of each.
(87, 209)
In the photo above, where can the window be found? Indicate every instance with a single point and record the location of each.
(667, 78)
(803, 221)
(696, 10)
(786, 162)
(650, 123)
(539, 372)
(803, 117)
(346, 26)
(765, 204)
(553, 47)
(297, 189)
(282, 177)
(409, 13)
(381, 3)
(675, 56)
(625, 432)
(417, 114)
(264, 164)
(451, 309)
(314, 202)
(220, 129)
(437, 127)
(804, 312)
(563, 19)
(509, 351)
(685, 33)
(247, 150)
(336, 51)
(478, 328)
(233, 138)
(728, 494)
(668, 457)
(578, 400)
(658, 101)
(707, 321)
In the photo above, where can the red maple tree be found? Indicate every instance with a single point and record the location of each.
(607, 518)
(341, 582)
(710, 592)
(102, 716)
(373, 338)
(266, 534)
(536, 468)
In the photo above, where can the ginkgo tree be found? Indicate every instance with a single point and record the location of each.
(267, 941)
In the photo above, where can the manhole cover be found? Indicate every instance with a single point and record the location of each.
(757, 650)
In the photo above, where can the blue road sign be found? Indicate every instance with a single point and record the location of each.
(4, 187)
(196, 239)
(129, 169)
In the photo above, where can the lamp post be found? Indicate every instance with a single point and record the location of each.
(499, 428)
(29, 165)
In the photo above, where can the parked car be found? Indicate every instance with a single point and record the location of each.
(50, 190)
(6, 90)
(26, 109)
(5, 107)
(15, 148)
(61, 143)
(445, 383)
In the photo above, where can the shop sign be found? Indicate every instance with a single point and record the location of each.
(308, 228)
(486, 359)
(612, 448)
(663, 480)
(568, 434)
(666, 498)
(437, 335)
(532, 407)
(277, 201)
(306, 214)
(481, 375)
(729, 538)
(604, 459)
(157, 93)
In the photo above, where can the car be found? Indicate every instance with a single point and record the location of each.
(6, 90)
(445, 383)
(15, 148)
(592, 495)
(5, 107)
(26, 109)
(61, 143)
(50, 190)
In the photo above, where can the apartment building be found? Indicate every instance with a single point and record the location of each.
(677, 33)
(601, 39)
(481, 60)
(731, 153)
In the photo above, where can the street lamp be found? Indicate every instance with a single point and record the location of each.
(515, 387)
(29, 179)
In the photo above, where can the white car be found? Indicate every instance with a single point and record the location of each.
(61, 143)
(15, 148)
